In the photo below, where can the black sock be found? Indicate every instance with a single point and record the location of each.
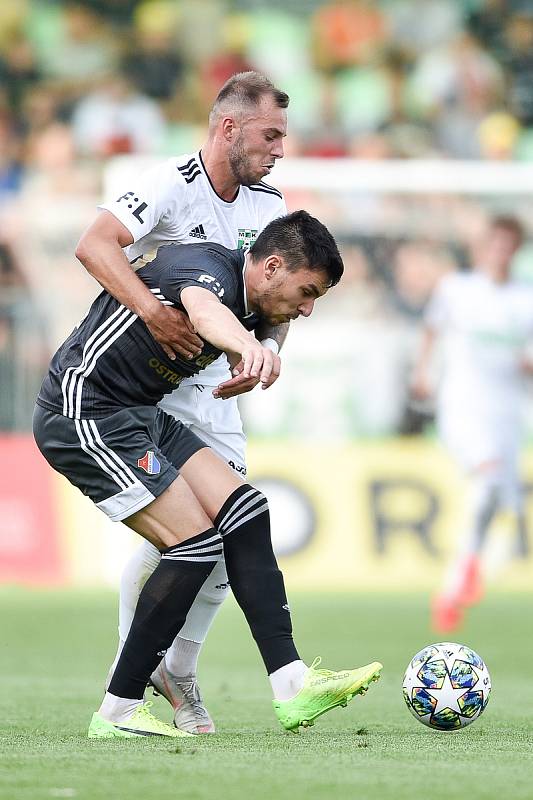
(244, 523)
(163, 605)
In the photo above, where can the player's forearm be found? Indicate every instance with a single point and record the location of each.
(106, 262)
(427, 347)
(217, 324)
(278, 333)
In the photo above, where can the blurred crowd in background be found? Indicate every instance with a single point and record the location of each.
(82, 82)
(372, 79)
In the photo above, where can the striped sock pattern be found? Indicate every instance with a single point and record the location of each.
(162, 608)
(241, 509)
(257, 584)
(204, 548)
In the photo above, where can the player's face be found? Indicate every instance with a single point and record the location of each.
(500, 247)
(286, 294)
(258, 142)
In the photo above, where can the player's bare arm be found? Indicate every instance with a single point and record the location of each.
(421, 384)
(218, 325)
(100, 252)
(273, 337)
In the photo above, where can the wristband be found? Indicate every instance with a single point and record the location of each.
(271, 344)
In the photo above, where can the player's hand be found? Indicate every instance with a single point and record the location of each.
(421, 387)
(240, 384)
(174, 332)
(526, 365)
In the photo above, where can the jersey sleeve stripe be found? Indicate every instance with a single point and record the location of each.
(190, 178)
(263, 187)
(189, 168)
(185, 167)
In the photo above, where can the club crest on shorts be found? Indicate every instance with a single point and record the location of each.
(149, 463)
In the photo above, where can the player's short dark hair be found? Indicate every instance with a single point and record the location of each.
(302, 241)
(509, 223)
(246, 89)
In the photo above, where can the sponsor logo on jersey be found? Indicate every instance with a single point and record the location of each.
(198, 232)
(246, 237)
(134, 204)
(149, 463)
(165, 372)
(213, 284)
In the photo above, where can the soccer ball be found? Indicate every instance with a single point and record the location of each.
(446, 686)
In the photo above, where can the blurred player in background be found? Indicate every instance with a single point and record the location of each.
(216, 194)
(485, 319)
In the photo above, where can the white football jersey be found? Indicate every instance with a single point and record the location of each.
(486, 328)
(175, 202)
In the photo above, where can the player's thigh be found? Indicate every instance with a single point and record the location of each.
(210, 479)
(174, 516)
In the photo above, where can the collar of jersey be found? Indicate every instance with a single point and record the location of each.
(244, 294)
(226, 202)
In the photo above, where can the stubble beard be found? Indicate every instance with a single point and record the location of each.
(240, 165)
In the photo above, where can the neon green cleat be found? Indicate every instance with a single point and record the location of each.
(141, 723)
(322, 691)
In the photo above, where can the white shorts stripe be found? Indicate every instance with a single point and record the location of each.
(109, 456)
(97, 457)
(116, 458)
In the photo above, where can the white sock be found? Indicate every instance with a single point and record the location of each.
(484, 503)
(206, 604)
(135, 574)
(118, 709)
(182, 658)
(287, 681)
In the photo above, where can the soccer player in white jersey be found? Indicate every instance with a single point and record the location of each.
(216, 194)
(485, 319)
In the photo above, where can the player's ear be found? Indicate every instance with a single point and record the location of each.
(229, 128)
(271, 265)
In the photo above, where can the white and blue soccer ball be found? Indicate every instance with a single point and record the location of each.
(446, 686)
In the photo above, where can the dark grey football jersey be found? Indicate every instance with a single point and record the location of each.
(111, 360)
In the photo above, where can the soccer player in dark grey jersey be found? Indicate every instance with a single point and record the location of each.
(111, 360)
(216, 194)
(98, 424)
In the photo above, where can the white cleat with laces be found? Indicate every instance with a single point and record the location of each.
(183, 694)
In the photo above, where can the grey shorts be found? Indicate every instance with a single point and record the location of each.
(122, 461)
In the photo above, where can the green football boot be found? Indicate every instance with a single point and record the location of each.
(322, 691)
(141, 723)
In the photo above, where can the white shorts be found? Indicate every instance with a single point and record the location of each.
(217, 422)
(476, 433)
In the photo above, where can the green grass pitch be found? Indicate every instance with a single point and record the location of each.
(55, 648)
